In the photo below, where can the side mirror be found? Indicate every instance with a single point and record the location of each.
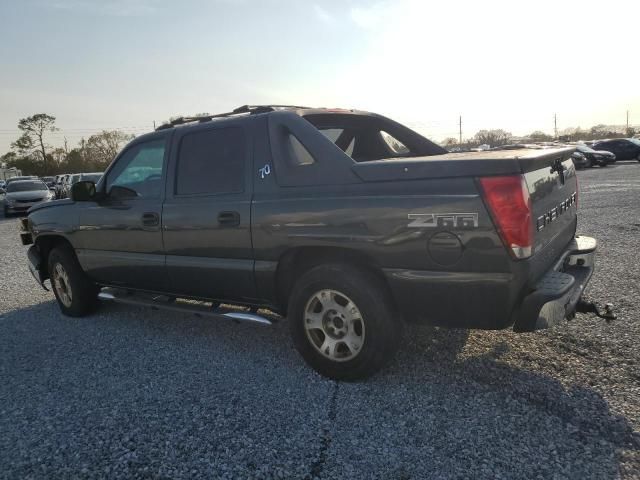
(83, 191)
(120, 192)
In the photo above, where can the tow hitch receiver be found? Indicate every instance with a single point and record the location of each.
(591, 307)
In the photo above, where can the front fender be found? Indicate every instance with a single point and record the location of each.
(35, 266)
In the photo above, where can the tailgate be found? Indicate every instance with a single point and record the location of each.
(553, 192)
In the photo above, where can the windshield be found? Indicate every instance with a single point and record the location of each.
(25, 186)
(635, 140)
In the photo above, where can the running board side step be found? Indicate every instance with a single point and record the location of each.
(167, 303)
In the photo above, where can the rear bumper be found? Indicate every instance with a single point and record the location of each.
(556, 295)
(493, 301)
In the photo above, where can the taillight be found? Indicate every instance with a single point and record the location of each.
(510, 206)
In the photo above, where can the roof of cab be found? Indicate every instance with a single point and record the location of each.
(259, 109)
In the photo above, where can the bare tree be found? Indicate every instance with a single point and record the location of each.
(104, 146)
(495, 138)
(539, 136)
(32, 141)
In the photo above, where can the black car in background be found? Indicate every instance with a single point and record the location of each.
(622, 148)
(595, 157)
(580, 160)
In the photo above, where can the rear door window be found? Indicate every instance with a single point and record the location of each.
(211, 162)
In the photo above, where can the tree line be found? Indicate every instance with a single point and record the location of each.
(499, 137)
(32, 153)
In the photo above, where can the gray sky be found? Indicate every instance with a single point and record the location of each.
(501, 64)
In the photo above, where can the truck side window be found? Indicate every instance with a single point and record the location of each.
(297, 154)
(140, 169)
(211, 162)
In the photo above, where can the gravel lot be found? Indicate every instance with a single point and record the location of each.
(133, 392)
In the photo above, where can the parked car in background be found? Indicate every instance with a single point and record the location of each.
(2, 185)
(622, 148)
(49, 181)
(17, 179)
(92, 177)
(60, 184)
(580, 160)
(79, 177)
(596, 157)
(66, 185)
(21, 195)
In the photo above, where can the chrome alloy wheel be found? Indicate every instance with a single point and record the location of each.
(62, 285)
(334, 325)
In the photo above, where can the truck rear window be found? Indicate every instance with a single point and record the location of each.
(372, 137)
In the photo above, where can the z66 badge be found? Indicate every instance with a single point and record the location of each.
(446, 220)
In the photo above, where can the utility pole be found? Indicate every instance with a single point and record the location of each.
(154, 124)
(627, 121)
(555, 125)
(460, 124)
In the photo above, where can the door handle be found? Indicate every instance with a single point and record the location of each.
(150, 219)
(229, 219)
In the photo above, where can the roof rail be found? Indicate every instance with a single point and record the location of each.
(250, 109)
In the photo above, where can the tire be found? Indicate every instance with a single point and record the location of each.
(638, 157)
(334, 340)
(6, 213)
(76, 294)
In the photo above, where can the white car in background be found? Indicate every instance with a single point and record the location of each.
(21, 195)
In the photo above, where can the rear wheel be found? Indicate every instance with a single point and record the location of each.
(343, 322)
(77, 295)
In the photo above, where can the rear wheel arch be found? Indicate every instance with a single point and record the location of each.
(297, 261)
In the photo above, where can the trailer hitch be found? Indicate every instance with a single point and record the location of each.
(584, 306)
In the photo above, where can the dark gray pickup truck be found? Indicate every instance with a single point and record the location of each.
(344, 221)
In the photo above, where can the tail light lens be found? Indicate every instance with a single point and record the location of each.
(510, 206)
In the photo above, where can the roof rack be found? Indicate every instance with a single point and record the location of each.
(250, 109)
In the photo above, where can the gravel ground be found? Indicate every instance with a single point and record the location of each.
(138, 393)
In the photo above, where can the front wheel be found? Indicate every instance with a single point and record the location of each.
(343, 322)
(77, 295)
